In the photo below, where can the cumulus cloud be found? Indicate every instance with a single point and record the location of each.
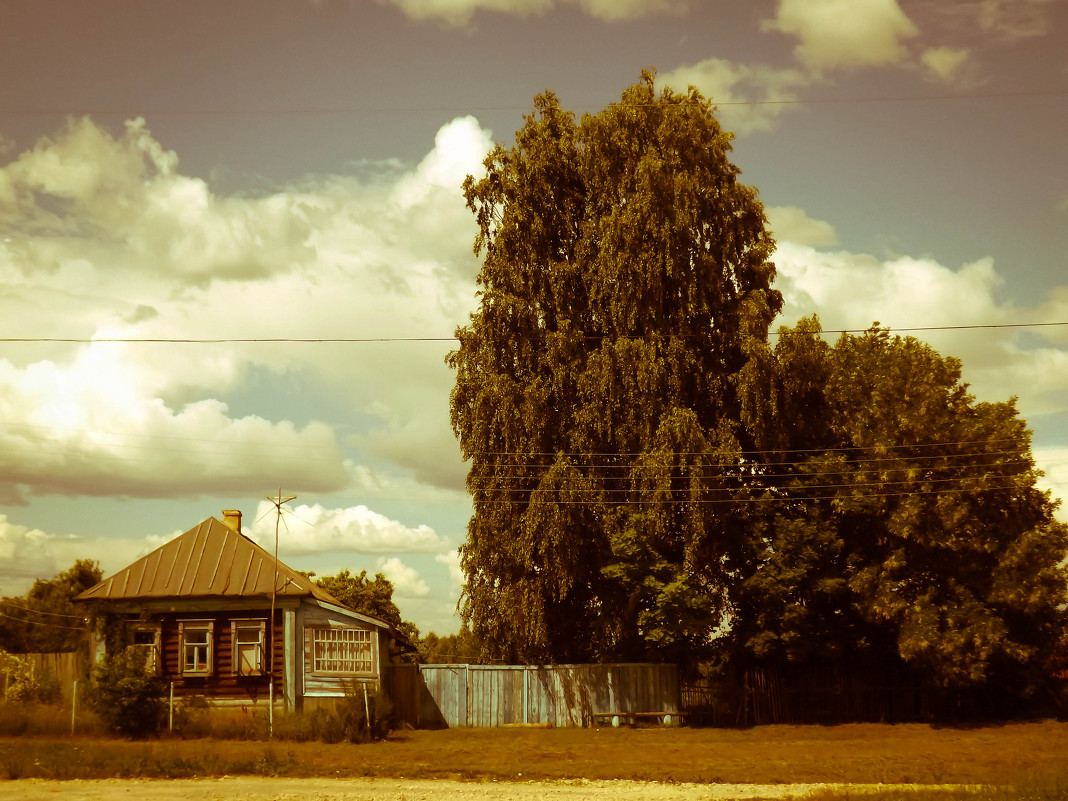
(1053, 462)
(792, 224)
(851, 290)
(843, 34)
(316, 529)
(106, 239)
(96, 426)
(407, 583)
(945, 63)
(78, 194)
(1007, 20)
(460, 12)
(27, 554)
(451, 561)
(740, 91)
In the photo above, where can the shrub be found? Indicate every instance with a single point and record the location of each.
(129, 698)
(24, 684)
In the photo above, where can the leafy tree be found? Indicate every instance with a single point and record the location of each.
(130, 699)
(459, 648)
(370, 596)
(45, 620)
(905, 521)
(619, 339)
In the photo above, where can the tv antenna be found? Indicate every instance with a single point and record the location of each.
(278, 502)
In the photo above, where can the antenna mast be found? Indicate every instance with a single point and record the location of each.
(278, 502)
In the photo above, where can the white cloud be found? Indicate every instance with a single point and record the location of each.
(109, 240)
(460, 12)
(315, 529)
(72, 198)
(28, 554)
(945, 63)
(451, 561)
(1053, 462)
(850, 291)
(792, 224)
(842, 34)
(1013, 19)
(740, 91)
(95, 426)
(407, 583)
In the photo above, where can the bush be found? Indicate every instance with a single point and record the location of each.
(129, 699)
(24, 684)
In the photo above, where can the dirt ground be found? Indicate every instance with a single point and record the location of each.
(270, 789)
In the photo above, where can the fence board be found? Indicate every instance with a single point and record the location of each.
(67, 667)
(501, 695)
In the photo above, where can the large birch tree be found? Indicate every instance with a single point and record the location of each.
(602, 382)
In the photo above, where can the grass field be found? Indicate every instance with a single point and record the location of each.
(1019, 754)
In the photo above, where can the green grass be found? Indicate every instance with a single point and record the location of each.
(1031, 758)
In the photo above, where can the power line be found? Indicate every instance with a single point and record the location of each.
(190, 111)
(359, 340)
(42, 623)
(41, 611)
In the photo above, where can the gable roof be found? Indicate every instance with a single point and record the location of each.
(210, 560)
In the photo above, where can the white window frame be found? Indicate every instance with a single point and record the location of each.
(256, 630)
(342, 651)
(150, 649)
(202, 648)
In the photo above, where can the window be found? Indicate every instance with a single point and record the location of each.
(197, 642)
(247, 637)
(145, 639)
(341, 651)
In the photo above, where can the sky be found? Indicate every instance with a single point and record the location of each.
(276, 169)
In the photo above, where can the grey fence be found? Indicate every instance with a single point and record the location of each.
(515, 695)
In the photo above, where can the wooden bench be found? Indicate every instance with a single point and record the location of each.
(632, 718)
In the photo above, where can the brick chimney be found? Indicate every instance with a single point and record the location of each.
(232, 518)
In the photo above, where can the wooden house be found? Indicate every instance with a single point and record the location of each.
(201, 605)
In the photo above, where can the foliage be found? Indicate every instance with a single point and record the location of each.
(130, 699)
(45, 620)
(370, 597)
(22, 683)
(460, 648)
(903, 520)
(625, 304)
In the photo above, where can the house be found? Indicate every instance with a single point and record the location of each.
(201, 606)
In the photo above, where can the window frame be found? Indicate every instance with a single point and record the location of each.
(356, 637)
(153, 662)
(245, 625)
(185, 629)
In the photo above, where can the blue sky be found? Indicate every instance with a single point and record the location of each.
(269, 169)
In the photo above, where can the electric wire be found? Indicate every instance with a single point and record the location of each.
(40, 611)
(590, 337)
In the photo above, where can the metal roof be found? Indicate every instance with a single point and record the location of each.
(208, 561)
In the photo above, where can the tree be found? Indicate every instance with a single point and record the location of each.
(601, 385)
(45, 620)
(371, 597)
(906, 522)
(130, 699)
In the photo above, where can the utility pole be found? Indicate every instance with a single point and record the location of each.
(278, 502)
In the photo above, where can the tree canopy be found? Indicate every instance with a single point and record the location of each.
(44, 620)
(625, 304)
(903, 519)
(651, 480)
(370, 596)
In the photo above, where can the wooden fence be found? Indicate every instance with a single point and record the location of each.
(430, 696)
(65, 668)
(824, 694)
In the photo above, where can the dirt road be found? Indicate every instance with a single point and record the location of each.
(267, 789)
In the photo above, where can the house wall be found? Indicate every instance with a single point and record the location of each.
(311, 685)
(222, 683)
